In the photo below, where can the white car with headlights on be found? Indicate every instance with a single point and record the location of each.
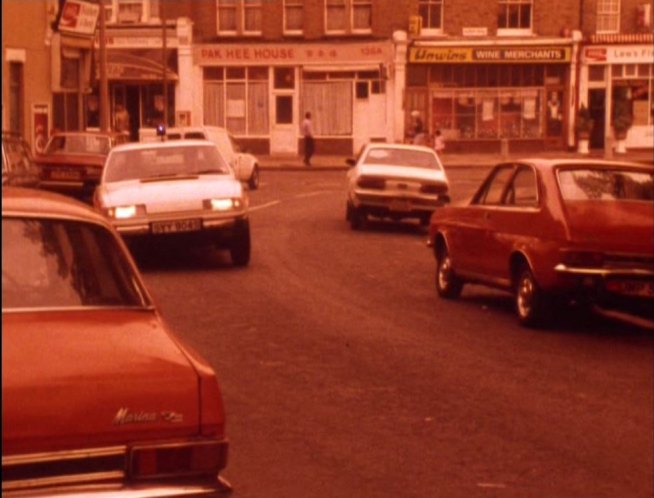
(395, 181)
(180, 191)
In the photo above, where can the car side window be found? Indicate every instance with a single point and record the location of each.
(523, 191)
(495, 186)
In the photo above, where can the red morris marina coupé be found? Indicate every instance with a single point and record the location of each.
(99, 396)
(551, 230)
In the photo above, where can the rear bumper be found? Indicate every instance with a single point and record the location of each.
(105, 472)
(396, 206)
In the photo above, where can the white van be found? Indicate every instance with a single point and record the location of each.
(245, 165)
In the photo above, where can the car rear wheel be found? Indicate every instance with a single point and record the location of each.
(448, 285)
(357, 218)
(531, 303)
(240, 246)
(253, 182)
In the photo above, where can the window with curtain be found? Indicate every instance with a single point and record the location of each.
(252, 16)
(514, 14)
(129, 11)
(608, 16)
(319, 98)
(227, 15)
(16, 84)
(336, 15)
(361, 15)
(431, 12)
(237, 98)
(293, 15)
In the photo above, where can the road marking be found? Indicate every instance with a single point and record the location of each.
(495, 485)
(266, 205)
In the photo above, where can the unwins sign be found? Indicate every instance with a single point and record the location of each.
(443, 55)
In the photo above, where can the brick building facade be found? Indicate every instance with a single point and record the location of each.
(486, 74)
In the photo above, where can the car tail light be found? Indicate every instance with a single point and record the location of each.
(178, 459)
(433, 188)
(371, 183)
(582, 259)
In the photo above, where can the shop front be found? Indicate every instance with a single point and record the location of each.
(135, 62)
(617, 72)
(485, 94)
(261, 92)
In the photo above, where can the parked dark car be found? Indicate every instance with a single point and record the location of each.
(72, 161)
(551, 231)
(18, 168)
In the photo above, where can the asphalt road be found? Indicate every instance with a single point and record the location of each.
(344, 375)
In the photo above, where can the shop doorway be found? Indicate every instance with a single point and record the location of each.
(596, 107)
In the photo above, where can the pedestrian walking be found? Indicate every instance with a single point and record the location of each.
(307, 132)
(439, 142)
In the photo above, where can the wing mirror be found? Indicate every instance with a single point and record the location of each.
(350, 161)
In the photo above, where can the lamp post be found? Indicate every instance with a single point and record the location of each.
(164, 62)
(104, 84)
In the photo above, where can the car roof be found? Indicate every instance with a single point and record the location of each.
(186, 129)
(27, 202)
(548, 163)
(195, 142)
(387, 145)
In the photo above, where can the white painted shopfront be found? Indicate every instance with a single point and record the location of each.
(261, 92)
(608, 68)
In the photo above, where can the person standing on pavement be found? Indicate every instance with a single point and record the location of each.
(439, 142)
(307, 132)
(121, 120)
(418, 129)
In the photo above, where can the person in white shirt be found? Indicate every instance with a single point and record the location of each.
(439, 142)
(307, 132)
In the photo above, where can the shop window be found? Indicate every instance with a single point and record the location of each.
(16, 84)
(332, 120)
(596, 73)
(431, 12)
(608, 16)
(293, 16)
(240, 103)
(416, 75)
(514, 15)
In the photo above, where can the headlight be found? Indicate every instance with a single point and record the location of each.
(223, 204)
(581, 259)
(125, 212)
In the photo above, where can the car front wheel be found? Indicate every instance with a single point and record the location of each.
(448, 285)
(240, 246)
(531, 302)
(253, 182)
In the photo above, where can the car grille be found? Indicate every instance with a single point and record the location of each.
(629, 261)
(62, 468)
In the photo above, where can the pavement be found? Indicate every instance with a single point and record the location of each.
(463, 160)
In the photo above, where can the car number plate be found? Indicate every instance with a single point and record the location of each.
(632, 287)
(399, 205)
(176, 226)
(65, 174)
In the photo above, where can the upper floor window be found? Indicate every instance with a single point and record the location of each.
(608, 16)
(131, 11)
(348, 16)
(431, 12)
(239, 16)
(514, 16)
(293, 16)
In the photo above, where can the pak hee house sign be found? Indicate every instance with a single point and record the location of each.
(79, 18)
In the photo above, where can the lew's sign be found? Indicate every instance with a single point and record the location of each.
(442, 55)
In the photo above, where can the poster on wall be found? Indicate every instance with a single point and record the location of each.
(40, 126)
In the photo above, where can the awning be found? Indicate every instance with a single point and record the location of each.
(627, 38)
(139, 65)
